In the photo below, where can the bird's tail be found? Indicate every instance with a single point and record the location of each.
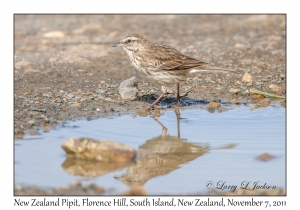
(213, 68)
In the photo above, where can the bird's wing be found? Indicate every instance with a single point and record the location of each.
(167, 58)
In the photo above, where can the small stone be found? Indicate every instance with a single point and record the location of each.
(239, 45)
(18, 187)
(31, 122)
(274, 38)
(22, 64)
(103, 150)
(249, 84)
(264, 103)
(114, 86)
(282, 76)
(247, 78)
(109, 100)
(276, 89)
(128, 88)
(38, 109)
(283, 103)
(213, 105)
(265, 157)
(47, 128)
(135, 191)
(18, 134)
(257, 96)
(244, 87)
(53, 59)
(87, 94)
(75, 105)
(46, 120)
(31, 71)
(142, 113)
(33, 133)
(100, 91)
(70, 95)
(54, 34)
(234, 91)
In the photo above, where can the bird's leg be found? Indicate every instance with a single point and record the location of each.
(164, 129)
(179, 96)
(164, 91)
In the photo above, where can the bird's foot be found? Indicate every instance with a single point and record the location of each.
(179, 97)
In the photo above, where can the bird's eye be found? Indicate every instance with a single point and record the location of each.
(129, 40)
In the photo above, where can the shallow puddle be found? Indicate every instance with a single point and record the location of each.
(176, 155)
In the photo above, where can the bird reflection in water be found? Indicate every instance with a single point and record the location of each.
(156, 157)
(160, 156)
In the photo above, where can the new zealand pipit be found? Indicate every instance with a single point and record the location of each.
(161, 63)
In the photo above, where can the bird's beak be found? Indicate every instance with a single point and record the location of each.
(117, 44)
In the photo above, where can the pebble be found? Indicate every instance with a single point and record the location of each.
(22, 64)
(249, 84)
(33, 133)
(75, 105)
(109, 100)
(276, 89)
(247, 78)
(46, 120)
(243, 87)
(38, 110)
(30, 122)
(142, 113)
(31, 71)
(265, 157)
(54, 34)
(70, 95)
(19, 132)
(135, 191)
(213, 105)
(103, 150)
(234, 91)
(264, 103)
(128, 88)
(100, 91)
(257, 96)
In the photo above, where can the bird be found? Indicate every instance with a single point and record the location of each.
(162, 64)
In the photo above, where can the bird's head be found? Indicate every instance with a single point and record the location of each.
(131, 42)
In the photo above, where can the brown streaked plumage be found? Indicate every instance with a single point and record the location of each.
(162, 63)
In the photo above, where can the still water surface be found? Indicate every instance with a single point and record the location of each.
(174, 155)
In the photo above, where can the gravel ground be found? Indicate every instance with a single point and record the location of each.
(66, 68)
(91, 190)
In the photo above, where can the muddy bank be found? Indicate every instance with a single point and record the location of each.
(66, 68)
